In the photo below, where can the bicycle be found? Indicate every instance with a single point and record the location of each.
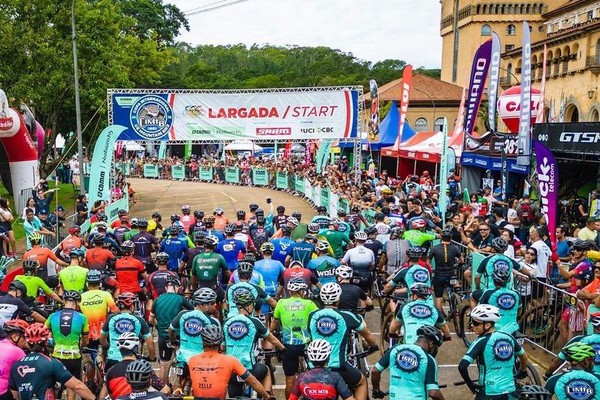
(456, 297)
(92, 370)
(358, 356)
(385, 341)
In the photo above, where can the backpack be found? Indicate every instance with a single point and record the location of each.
(526, 214)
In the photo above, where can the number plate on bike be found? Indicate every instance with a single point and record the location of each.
(453, 281)
(177, 371)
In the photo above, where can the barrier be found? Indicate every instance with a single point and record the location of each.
(206, 174)
(281, 181)
(232, 175)
(151, 171)
(260, 176)
(178, 172)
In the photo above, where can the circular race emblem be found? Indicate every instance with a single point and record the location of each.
(326, 326)
(580, 390)
(151, 117)
(506, 301)
(237, 330)
(407, 360)
(421, 276)
(420, 311)
(500, 264)
(123, 326)
(192, 326)
(503, 350)
(383, 229)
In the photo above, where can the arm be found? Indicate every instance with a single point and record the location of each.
(463, 369)
(38, 317)
(78, 387)
(255, 384)
(271, 338)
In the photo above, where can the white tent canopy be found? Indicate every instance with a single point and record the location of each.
(131, 145)
(242, 145)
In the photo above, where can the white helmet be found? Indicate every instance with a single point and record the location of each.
(322, 245)
(293, 221)
(360, 235)
(485, 313)
(295, 285)
(128, 340)
(344, 272)
(318, 350)
(330, 293)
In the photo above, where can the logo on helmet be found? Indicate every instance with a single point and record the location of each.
(506, 302)
(237, 330)
(501, 264)
(407, 360)
(326, 326)
(503, 350)
(580, 390)
(192, 326)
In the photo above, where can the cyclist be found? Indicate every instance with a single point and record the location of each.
(579, 381)
(198, 224)
(116, 380)
(175, 246)
(301, 229)
(154, 223)
(47, 271)
(110, 240)
(69, 330)
(134, 229)
(362, 261)
(416, 235)
(447, 256)
(95, 305)
(139, 375)
(12, 305)
(221, 221)
(259, 232)
(345, 227)
(74, 276)
(280, 219)
(72, 241)
(35, 376)
(282, 244)
(211, 371)
(209, 222)
(301, 250)
(414, 273)
(413, 370)
(355, 218)
(319, 382)
(122, 322)
(230, 248)
(336, 239)
(158, 279)
(294, 272)
(145, 244)
(495, 355)
(251, 218)
(271, 270)
(374, 244)
(98, 257)
(323, 266)
(291, 315)
(353, 297)
(192, 252)
(121, 230)
(242, 332)
(483, 276)
(335, 326)
(12, 344)
(209, 267)
(245, 270)
(506, 300)
(129, 270)
(394, 255)
(34, 283)
(240, 230)
(534, 392)
(418, 312)
(186, 217)
(322, 219)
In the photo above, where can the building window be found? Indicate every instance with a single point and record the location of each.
(511, 30)
(439, 125)
(590, 15)
(421, 125)
(486, 30)
(509, 47)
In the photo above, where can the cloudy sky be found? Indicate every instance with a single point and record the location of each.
(371, 30)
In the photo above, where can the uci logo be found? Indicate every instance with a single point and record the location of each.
(151, 117)
(326, 326)
(580, 390)
(192, 326)
(407, 360)
(420, 311)
(506, 302)
(124, 326)
(503, 350)
(237, 330)
(420, 276)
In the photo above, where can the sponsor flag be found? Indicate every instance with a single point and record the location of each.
(307, 155)
(162, 150)
(323, 155)
(444, 172)
(504, 176)
(406, 86)
(287, 152)
(119, 149)
(493, 86)
(540, 116)
(373, 135)
(102, 160)
(479, 72)
(188, 150)
(547, 177)
(524, 135)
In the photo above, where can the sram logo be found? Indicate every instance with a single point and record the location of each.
(579, 137)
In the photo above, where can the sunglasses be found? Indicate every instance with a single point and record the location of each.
(530, 253)
(483, 230)
(475, 323)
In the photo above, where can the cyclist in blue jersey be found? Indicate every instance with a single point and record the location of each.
(505, 299)
(145, 244)
(335, 326)
(483, 273)
(256, 278)
(282, 245)
(413, 370)
(301, 251)
(415, 273)
(209, 224)
(322, 219)
(245, 270)
(323, 266)
(271, 270)
(344, 226)
(230, 248)
(176, 247)
(495, 354)
(578, 383)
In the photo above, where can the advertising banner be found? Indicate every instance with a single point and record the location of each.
(406, 86)
(344, 205)
(573, 138)
(444, 172)
(504, 176)
(479, 72)
(547, 177)
(323, 155)
(260, 176)
(524, 136)
(373, 135)
(494, 77)
(284, 114)
(325, 198)
(232, 175)
(102, 163)
(162, 150)
(299, 184)
(178, 172)
(150, 171)
(206, 174)
(281, 181)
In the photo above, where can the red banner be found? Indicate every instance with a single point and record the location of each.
(406, 86)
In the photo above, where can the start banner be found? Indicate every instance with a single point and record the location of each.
(283, 114)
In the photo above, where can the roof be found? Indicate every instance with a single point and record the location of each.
(424, 88)
(564, 7)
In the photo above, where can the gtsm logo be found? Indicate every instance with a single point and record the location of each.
(579, 137)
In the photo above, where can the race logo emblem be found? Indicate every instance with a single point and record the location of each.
(503, 350)
(327, 326)
(420, 311)
(580, 390)
(407, 360)
(192, 326)
(421, 276)
(124, 326)
(501, 264)
(596, 347)
(194, 111)
(151, 117)
(237, 330)
(506, 302)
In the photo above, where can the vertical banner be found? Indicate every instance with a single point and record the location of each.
(547, 176)
(406, 86)
(324, 193)
(323, 155)
(540, 116)
(307, 156)
(102, 162)
(504, 176)
(493, 86)
(299, 184)
(524, 135)
(281, 180)
(443, 202)
(162, 150)
(373, 135)
(178, 172)
(232, 175)
(188, 150)
(479, 72)
(260, 176)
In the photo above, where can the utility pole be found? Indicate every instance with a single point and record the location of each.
(77, 104)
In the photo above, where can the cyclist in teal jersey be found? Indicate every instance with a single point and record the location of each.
(417, 235)
(411, 275)
(483, 274)
(495, 355)
(242, 332)
(505, 299)
(323, 266)
(125, 321)
(345, 227)
(245, 269)
(322, 219)
(417, 313)
(593, 340)
(413, 370)
(335, 326)
(578, 383)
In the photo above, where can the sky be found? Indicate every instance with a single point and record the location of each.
(371, 30)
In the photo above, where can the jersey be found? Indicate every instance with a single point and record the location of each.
(376, 247)
(67, 327)
(189, 255)
(271, 271)
(413, 372)
(186, 221)
(145, 243)
(301, 251)
(241, 337)
(33, 284)
(206, 267)
(120, 232)
(411, 275)
(495, 355)
(259, 294)
(166, 307)
(116, 324)
(175, 247)
(128, 271)
(299, 232)
(418, 238)
(230, 250)
(337, 240)
(321, 220)
(361, 260)
(298, 273)
(351, 295)
(95, 305)
(73, 277)
(41, 254)
(324, 268)
(69, 243)
(117, 384)
(98, 258)
(574, 385)
(9, 354)
(281, 247)
(34, 376)
(446, 256)
(319, 384)
(293, 314)
(486, 268)
(188, 324)
(11, 307)
(210, 373)
(507, 301)
(260, 235)
(594, 341)
(157, 281)
(335, 326)
(414, 315)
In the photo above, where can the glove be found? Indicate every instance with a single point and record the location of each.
(373, 349)
(521, 374)
(370, 308)
(378, 394)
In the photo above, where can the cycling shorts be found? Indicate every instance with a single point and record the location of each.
(363, 282)
(351, 375)
(290, 358)
(236, 388)
(73, 366)
(165, 353)
(439, 283)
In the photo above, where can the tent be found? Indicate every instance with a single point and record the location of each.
(388, 130)
(131, 145)
(243, 145)
(429, 149)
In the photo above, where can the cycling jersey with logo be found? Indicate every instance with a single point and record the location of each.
(128, 271)
(507, 301)
(259, 294)
(321, 220)
(495, 354)
(335, 326)
(73, 277)
(175, 248)
(411, 275)
(71, 242)
(117, 324)
(241, 337)
(230, 250)
(157, 281)
(337, 241)
(120, 232)
(144, 395)
(414, 315)
(95, 305)
(10, 307)
(375, 246)
(293, 313)
(206, 266)
(298, 273)
(34, 376)
(574, 385)
(210, 373)
(271, 271)
(281, 248)
(345, 228)
(413, 372)
(260, 235)
(320, 384)
(118, 386)
(418, 238)
(67, 326)
(594, 341)
(324, 268)
(301, 251)
(144, 244)
(360, 259)
(487, 266)
(166, 308)
(98, 258)
(188, 325)
(33, 284)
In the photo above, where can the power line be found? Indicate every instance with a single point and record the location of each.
(199, 8)
(212, 7)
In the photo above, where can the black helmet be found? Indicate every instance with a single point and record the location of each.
(198, 214)
(420, 290)
(321, 209)
(18, 285)
(174, 230)
(172, 280)
(297, 215)
(581, 245)
(99, 238)
(156, 214)
(72, 295)
(199, 236)
(121, 212)
(253, 207)
(280, 209)
(415, 252)
(142, 223)
(369, 230)
(260, 219)
(102, 217)
(162, 258)
(241, 214)
(533, 392)
(379, 216)
(501, 276)
(245, 269)
(431, 333)
(229, 229)
(139, 372)
(174, 217)
(211, 335)
(447, 233)
(499, 244)
(259, 211)
(128, 246)
(397, 231)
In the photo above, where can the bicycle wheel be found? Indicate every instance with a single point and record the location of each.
(538, 323)
(532, 378)
(454, 310)
(384, 340)
(90, 377)
(467, 335)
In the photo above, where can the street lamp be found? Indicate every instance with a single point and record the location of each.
(77, 103)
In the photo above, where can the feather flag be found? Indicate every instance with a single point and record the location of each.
(524, 135)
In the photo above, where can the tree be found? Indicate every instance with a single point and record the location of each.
(155, 20)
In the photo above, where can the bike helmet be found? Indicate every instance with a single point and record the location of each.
(101, 226)
(243, 297)
(128, 246)
(31, 264)
(267, 247)
(121, 212)
(162, 258)
(533, 392)
(260, 219)
(318, 351)
(199, 236)
(245, 269)
(397, 231)
(15, 326)
(341, 212)
(139, 372)
(74, 230)
(379, 216)
(253, 207)
(418, 223)
(18, 285)
(72, 295)
(229, 229)
(420, 290)
(174, 230)
(286, 230)
(447, 233)
(218, 211)
(499, 245)
(211, 335)
(34, 237)
(355, 209)
(344, 272)
(102, 217)
(259, 212)
(204, 296)
(211, 241)
(186, 209)
(321, 209)
(322, 245)
(297, 215)
(431, 333)
(156, 214)
(128, 341)
(172, 280)
(126, 300)
(174, 217)
(241, 214)
(485, 313)
(578, 351)
(296, 285)
(370, 230)
(93, 276)
(330, 293)
(293, 221)
(501, 276)
(578, 244)
(77, 252)
(595, 319)
(280, 209)
(198, 214)
(415, 252)
(209, 220)
(37, 333)
(238, 226)
(99, 238)
(133, 222)
(313, 228)
(361, 236)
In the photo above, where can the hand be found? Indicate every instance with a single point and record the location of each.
(370, 308)
(373, 348)
(378, 394)
(521, 374)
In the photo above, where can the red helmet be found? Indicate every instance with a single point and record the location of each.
(37, 333)
(126, 300)
(418, 223)
(74, 229)
(15, 325)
